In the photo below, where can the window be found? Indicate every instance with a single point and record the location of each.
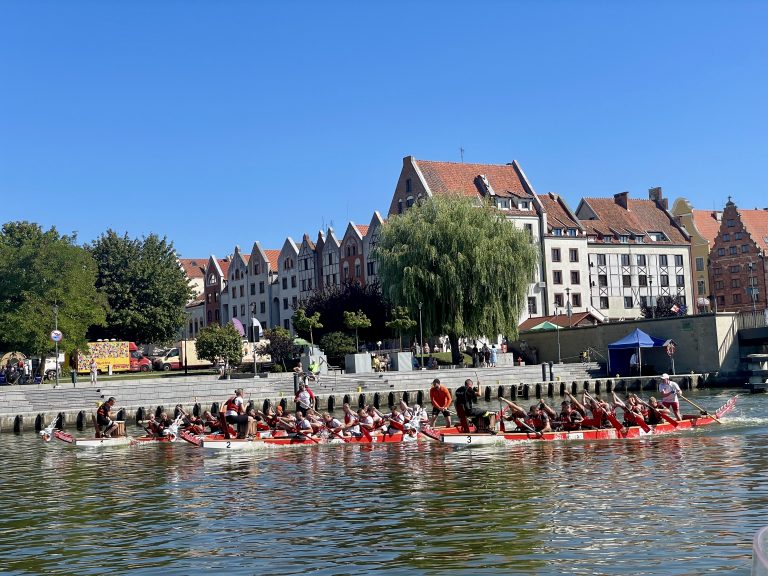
(642, 280)
(559, 300)
(731, 223)
(662, 260)
(664, 280)
(575, 277)
(626, 280)
(719, 284)
(737, 236)
(234, 291)
(242, 309)
(735, 269)
(721, 300)
(335, 279)
(571, 231)
(399, 206)
(753, 281)
(261, 287)
(256, 269)
(369, 269)
(408, 186)
(678, 260)
(744, 248)
(602, 280)
(603, 302)
(285, 283)
(357, 270)
(735, 283)
(303, 285)
(555, 254)
(643, 301)
(576, 300)
(721, 251)
(700, 287)
(529, 228)
(287, 324)
(734, 250)
(285, 303)
(409, 202)
(330, 259)
(531, 305)
(210, 319)
(557, 231)
(309, 283)
(293, 281)
(263, 307)
(736, 298)
(557, 277)
(294, 301)
(699, 264)
(717, 271)
(641, 259)
(253, 289)
(573, 254)
(726, 237)
(680, 280)
(623, 239)
(625, 259)
(601, 259)
(242, 290)
(628, 302)
(216, 315)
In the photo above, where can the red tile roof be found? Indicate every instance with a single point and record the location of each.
(193, 267)
(756, 224)
(445, 178)
(557, 215)
(362, 228)
(641, 217)
(273, 256)
(577, 319)
(224, 265)
(706, 224)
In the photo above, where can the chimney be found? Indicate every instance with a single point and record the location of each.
(621, 199)
(656, 195)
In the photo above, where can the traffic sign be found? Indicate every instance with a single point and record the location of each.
(56, 335)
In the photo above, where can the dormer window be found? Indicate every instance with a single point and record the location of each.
(624, 239)
(571, 231)
(657, 236)
(557, 231)
(524, 205)
(409, 202)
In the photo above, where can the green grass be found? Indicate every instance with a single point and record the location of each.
(443, 358)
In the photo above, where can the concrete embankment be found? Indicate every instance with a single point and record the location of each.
(32, 407)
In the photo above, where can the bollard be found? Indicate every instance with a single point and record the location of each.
(550, 390)
(544, 371)
(551, 372)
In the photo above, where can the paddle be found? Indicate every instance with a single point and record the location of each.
(611, 418)
(700, 409)
(638, 420)
(658, 412)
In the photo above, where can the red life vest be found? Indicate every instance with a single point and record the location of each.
(231, 405)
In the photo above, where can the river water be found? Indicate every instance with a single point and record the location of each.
(685, 503)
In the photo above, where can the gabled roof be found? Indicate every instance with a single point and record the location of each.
(193, 267)
(577, 319)
(273, 256)
(221, 265)
(362, 228)
(306, 240)
(640, 217)
(446, 178)
(756, 224)
(706, 223)
(558, 213)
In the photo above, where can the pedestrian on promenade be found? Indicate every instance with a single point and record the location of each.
(94, 370)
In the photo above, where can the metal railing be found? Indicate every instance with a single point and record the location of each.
(748, 320)
(728, 340)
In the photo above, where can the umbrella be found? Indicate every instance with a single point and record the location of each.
(300, 342)
(238, 326)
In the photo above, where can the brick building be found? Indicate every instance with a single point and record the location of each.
(737, 260)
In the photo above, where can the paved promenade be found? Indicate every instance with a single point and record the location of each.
(30, 407)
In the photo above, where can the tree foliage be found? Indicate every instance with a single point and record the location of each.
(665, 307)
(466, 263)
(216, 343)
(280, 347)
(336, 345)
(333, 301)
(304, 323)
(40, 269)
(144, 285)
(355, 321)
(402, 322)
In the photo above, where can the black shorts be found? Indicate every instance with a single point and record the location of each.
(443, 411)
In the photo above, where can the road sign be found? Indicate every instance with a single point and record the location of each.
(56, 335)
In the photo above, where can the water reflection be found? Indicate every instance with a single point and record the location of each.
(680, 504)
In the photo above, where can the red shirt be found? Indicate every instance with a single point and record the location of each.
(440, 396)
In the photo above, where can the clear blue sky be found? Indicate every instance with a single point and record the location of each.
(221, 123)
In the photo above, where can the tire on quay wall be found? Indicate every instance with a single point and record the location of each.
(176, 411)
(18, 424)
(120, 414)
(598, 385)
(159, 410)
(420, 397)
(526, 391)
(586, 386)
(513, 392)
(574, 389)
(39, 422)
(141, 415)
(562, 388)
(639, 384)
(345, 400)
(538, 390)
(500, 392)
(361, 401)
(406, 397)
(376, 400)
(265, 406)
(608, 386)
(487, 394)
(80, 420)
(550, 390)
(196, 410)
(60, 421)
(215, 408)
(391, 399)
(331, 403)
(700, 381)
(284, 404)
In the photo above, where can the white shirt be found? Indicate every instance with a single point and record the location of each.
(238, 403)
(670, 388)
(303, 399)
(633, 360)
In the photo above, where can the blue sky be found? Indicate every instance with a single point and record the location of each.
(222, 123)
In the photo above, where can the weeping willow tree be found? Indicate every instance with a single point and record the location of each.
(466, 264)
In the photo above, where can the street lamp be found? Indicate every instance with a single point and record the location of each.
(253, 330)
(650, 297)
(421, 339)
(56, 341)
(568, 308)
(557, 327)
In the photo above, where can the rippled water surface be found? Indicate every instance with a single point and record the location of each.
(686, 503)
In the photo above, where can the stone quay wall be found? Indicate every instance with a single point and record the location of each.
(27, 408)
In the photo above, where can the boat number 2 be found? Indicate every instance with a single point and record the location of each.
(469, 439)
(229, 444)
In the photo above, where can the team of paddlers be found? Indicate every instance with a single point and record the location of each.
(240, 419)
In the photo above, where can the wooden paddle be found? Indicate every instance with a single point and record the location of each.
(611, 418)
(637, 418)
(661, 413)
(700, 409)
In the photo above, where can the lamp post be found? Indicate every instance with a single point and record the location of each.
(557, 327)
(568, 308)
(650, 297)
(421, 339)
(56, 340)
(253, 330)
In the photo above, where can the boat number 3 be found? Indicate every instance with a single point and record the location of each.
(229, 444)
(469, 439)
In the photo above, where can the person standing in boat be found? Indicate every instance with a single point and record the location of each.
(234, 413)
(441, 399)
(304, 399)
(104, 418)
(466, 398)
(669, 391)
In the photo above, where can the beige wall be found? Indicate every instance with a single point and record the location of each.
(698, 339)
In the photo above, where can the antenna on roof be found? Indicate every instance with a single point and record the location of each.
(461, 152)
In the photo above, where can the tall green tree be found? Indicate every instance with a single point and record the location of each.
(337, 345)
(355, 321)
(280, 347)
(216, 343)
(304, 323)
(144, 285)
(39, 270)
(464, 262)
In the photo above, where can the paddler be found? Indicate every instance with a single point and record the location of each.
(104, 418)
(466, 397)
(234, 413)
(441, 399)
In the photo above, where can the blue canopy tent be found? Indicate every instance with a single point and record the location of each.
(620, 352)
